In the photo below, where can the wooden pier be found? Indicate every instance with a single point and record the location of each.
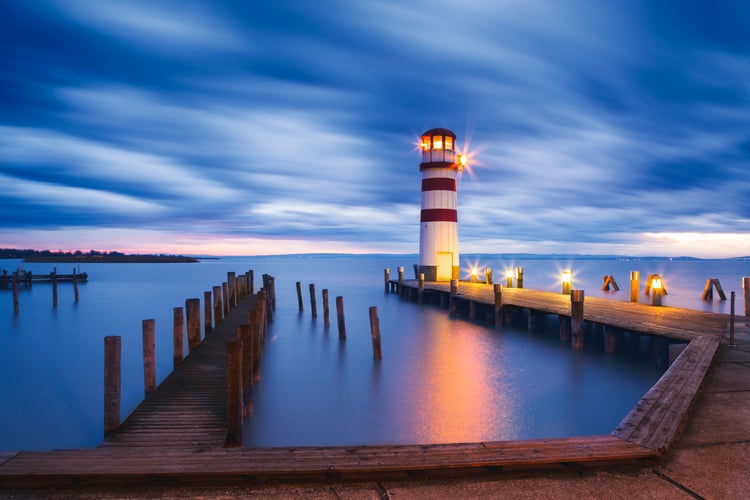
(177, 435)
(27, 278)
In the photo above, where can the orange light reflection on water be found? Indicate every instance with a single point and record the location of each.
(459, 396)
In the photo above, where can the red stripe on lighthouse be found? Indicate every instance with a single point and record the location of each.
(439, 215)
(438, 184)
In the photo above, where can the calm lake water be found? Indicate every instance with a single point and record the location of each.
(440, 379)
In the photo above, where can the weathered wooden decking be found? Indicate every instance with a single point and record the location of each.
(177, 434)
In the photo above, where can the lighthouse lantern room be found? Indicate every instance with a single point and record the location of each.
(438, 228)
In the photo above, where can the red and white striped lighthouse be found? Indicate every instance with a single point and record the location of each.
(438, 228)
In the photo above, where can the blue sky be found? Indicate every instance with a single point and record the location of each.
(242, 127)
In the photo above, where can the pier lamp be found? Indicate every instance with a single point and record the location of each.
(657, 290)
(509, 278)
(488, 275)
(474, 272)
(567, 281)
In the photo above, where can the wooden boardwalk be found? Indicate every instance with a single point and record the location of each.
(177, 434)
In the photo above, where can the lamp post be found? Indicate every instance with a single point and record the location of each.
(657, 289)
(567, 281)
(509, 278)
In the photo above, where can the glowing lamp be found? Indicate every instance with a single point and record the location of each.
(509, 277)
(656, 284)
(462, 161)
(567, 281)
(474, 272)
(657, 290)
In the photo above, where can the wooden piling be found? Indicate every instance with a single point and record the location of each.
(488, 275)
(472, 310)
(193, 313)
(231, 287)
(16, 308)
(112, 385)
(234, 393)
(708, 290)
(218, 307)
(313, 301)
(610, 340)
(635, 277)
(377, 352)
(178, 334)
(53, 278)
(326, 312)
(225, 297)
(75, 285)
(576, 318)
(207, 312)
(564, 328)
(420, 290)
(498, 289)
(251, 282)
(453, 305)
(387, 278)
(149, 356)
(533, 321)
(299, 297)
(519, 277)
(610, 280)
(340, 317)
(401, 274)
(731, 319)
(245, 336)
(256, 330)
(746, 293)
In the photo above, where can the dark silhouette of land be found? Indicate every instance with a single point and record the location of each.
(91, 256)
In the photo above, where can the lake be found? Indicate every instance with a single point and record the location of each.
(440, 379)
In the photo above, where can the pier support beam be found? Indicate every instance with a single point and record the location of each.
(313, 301)
(207, 312)
(112, 385)
(193, 312)
(234, 393)
(326, 311)
(635, 277)
(149, 356)
(340, 317)
(498, 289)
(564, 328)
(452, 307)
(746, 290)
(386, 278)
(576, 318)
(377, 352)
(178, 333)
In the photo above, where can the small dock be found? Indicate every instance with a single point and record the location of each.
(177, 434)
(27, 278)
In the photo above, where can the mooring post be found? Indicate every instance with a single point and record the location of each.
(313, 301)
(576, 318)
(731, 319)
(53, 277)
(178, 334)
(387, 278)
(401, 274)
(746, 290)
(225, 297)
(207, 312)
(420, 292)
(326, 312)
(377, 352)
(15, 295)
(340, 317)
(299, 297)
(498, 289)
(218, 308)
(149, 356)
(230, 289)
(519, 277)
(193, 312)
(635, 277)
(234, 393)
(75, 285)
(453, 301)
(251, 282)
(112, 376)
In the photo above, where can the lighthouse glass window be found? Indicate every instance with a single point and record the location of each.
(437, 142)
(448, 142)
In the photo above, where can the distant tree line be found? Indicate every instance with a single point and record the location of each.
(29, 255)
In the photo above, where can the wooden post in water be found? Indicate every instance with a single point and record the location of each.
(299, 297)
(234, 393)
(326, 312)
(377, 352)
(401, 274)
(245, 336)
(746, 291)
(218, 308)
(610, 340)
(231, 289)
(313, 301)
(251, 282)
(225, 297)
(112, 377)
(420, 292)
(193, 312)
(387, 278)
(75, 285)
(452, 308)
(340, 317)
(731, 319)
(53, 277)
(635, 277)
(533, 320)
(498, 289)
(564, 328)
(207, 312)
(576, 318)
(519, 277)
(149, 356)
(178, 334)
(15, 295)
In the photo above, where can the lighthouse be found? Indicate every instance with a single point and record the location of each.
(438, 221)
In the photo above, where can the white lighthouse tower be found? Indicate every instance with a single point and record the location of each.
(438, 228)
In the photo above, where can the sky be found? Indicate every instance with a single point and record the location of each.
(253, 128)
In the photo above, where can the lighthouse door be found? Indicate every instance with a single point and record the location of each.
(444, 266)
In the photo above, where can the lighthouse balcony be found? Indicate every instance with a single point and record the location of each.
(439, 156)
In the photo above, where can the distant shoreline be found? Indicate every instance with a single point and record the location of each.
(92, 256)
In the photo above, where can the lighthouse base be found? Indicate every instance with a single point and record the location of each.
(431, 273)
